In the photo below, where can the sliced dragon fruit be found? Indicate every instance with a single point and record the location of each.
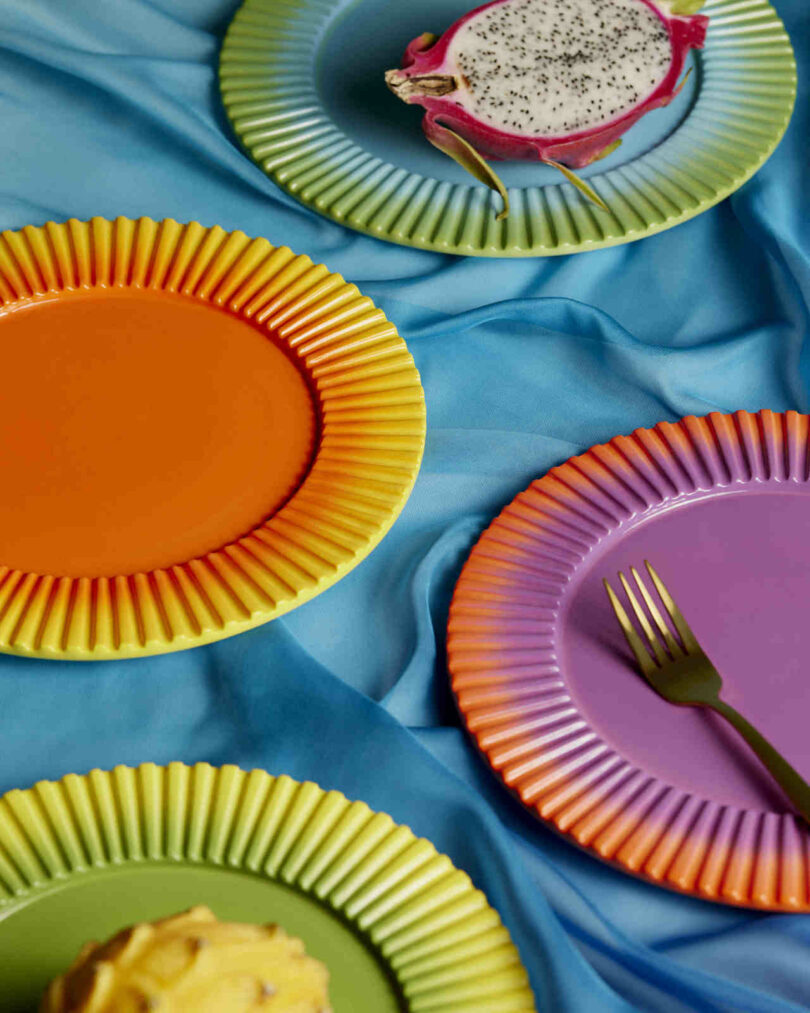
(554, 80)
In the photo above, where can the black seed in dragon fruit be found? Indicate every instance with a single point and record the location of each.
(559, 81)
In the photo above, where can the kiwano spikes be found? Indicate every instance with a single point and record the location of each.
(580, 184)
(449, 142)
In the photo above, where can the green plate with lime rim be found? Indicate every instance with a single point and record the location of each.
(400, 929)
(302, 83)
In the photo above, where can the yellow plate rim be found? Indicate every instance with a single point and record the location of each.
(372, 438)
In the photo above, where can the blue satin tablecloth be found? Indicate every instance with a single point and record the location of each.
(110, 107)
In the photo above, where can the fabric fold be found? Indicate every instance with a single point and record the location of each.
(113, 109)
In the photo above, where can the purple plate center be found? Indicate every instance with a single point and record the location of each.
(738, 565)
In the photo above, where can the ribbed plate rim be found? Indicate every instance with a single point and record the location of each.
(78, 826)
(571, 790)
(667, 191)
(372, 438)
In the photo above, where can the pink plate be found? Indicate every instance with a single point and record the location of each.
(548, 688)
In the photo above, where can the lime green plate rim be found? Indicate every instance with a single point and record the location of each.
(426, 922)
(747, 94)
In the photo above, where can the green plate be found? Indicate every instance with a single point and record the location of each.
(302, 82)
(399, 927)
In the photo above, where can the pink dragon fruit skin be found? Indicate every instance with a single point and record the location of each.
(429, 76)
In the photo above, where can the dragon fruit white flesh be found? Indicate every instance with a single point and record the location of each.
(554, 80)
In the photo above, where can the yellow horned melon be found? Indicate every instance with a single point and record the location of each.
(192, 963)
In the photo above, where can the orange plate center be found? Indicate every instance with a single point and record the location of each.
(139, 430)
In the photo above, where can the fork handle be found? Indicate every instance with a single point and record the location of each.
(790, 780)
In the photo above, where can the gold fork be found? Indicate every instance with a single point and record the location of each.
(679, 671)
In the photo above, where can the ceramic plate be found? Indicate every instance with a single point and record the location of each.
(549, 690)
(399, 927)
(302, 83)
(199, 432)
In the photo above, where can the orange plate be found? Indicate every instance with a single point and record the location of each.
(199, 432)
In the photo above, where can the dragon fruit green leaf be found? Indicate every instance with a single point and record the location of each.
(682, 7)
(457, 148)
(609, 150)
(583, 187)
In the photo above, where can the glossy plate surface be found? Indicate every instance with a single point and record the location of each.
(399, 927)
(548, 688)
(302, 82)
(199, 430)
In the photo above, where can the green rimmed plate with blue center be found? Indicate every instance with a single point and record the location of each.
(303, 84)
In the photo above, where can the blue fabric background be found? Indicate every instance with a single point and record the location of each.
(111, 107)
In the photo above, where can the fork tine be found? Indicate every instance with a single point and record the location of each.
(675, 648)
(642, 655)
(644, 622)
(688, 638)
